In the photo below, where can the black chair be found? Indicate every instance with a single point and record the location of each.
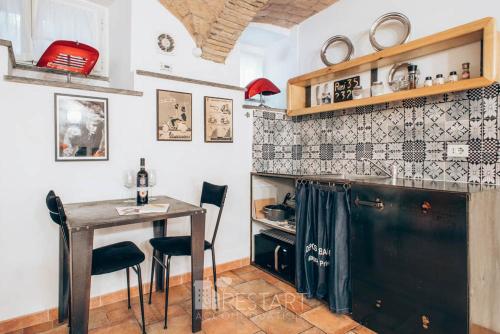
(181, 246)
(107, 259)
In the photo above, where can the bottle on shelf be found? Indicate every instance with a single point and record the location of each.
(465, 71)
(413, 76)
(142, 184)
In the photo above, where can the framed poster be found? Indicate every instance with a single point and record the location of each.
(81, 128)
(218, 120)
(321, 94)
(174, 116)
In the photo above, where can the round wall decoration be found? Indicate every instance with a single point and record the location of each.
(166, 43)
(333, 40)
(405, 21)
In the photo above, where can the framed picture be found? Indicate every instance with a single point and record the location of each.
(81, 128)
(174, 116)
(322, 94)
(218, 120)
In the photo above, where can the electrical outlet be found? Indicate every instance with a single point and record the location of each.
(165, 67)
(458, 151)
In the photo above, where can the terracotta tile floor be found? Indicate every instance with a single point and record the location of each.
(251, 302)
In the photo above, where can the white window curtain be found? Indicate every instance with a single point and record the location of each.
(63, 20)
(15, 25)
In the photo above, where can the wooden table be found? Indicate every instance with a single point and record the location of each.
(84, 218)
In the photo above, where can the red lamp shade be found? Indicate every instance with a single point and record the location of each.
(69, 56)
(261, 86)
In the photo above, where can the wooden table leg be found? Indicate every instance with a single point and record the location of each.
(197, 263)
(159, 230)
(80, 271)
(63, 279)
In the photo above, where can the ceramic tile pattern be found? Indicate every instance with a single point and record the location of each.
(255, 304)
(413, 134)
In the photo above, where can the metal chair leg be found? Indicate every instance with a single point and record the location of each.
(141, 298)
(215, 278)
(128, 287)
(152, 276)
(167, 274)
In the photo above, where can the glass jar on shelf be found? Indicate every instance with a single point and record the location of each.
(377, 88)
(357, 92)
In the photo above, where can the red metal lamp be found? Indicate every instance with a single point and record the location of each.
(263, 87)
(73, 57)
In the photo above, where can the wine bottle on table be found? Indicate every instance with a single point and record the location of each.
(142, 184)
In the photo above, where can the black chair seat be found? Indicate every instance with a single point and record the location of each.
(115, 257)
(175, 246)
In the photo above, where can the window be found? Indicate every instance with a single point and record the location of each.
(15, 20)
(251, 67)
(32, 25)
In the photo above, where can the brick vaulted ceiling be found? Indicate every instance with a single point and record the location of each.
(216, 25)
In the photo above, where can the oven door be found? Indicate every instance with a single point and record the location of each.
(275, 256)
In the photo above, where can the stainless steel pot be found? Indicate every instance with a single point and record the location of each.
(278, 212)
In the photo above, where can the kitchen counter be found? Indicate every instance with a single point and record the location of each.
(400, 183)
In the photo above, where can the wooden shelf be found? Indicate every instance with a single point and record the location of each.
(188, 80)
(273, 224)
(483, 31)
(70, 85)
(397, 96)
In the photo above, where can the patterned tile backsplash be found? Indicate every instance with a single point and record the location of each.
(413, 134)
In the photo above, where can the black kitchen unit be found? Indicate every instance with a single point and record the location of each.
(410, 251)
(424, 255)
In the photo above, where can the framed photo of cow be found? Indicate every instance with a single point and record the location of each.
(81, 128)
(218, 120)
(174, 116)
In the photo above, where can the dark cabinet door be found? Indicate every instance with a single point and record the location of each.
(409, 260)
(275, 256)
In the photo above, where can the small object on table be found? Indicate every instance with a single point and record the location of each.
(357, 92)
(465, 71)
(129, 183)
(428, 82)
(142, 184)
(148, 208)
(153, 179)
(453, 77)
(412, 76)
(439, 79)
(377, 88)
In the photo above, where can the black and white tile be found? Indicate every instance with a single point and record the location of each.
(413, 134)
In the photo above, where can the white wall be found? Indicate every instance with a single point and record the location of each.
(28, 239)
(280, 64)
(120, 44)
(150, 19)
(354, 18)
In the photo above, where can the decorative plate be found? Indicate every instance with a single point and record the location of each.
(166, 43)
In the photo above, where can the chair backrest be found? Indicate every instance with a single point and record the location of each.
(57, 214)
(215, 195)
